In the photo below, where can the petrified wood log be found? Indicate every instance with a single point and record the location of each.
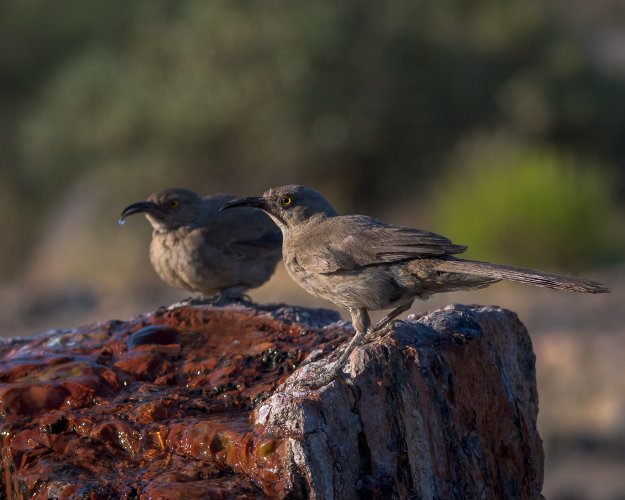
(205, 402)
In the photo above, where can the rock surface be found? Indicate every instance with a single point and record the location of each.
(203, 402)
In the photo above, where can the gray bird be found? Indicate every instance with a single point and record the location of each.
(362, 264)
(196, 248)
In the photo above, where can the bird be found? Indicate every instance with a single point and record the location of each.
(197, 248)
(362, 264)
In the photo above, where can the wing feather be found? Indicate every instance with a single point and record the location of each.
(245, 233)
(349, 242)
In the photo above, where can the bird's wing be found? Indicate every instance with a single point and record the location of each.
(350, 242)
(241, 233)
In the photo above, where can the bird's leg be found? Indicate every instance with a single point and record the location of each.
(378, 328)
(361, 322)
(365, 332)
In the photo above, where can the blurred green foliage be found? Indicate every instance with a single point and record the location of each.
(362, 99)
(530, 205)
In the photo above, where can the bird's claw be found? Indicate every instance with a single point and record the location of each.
(397, 322)
(376, 333)
(336, 354)
(228, 298)
(243, 298)
(317, 374)
(315, 355)
(191, 301)
(215, 300)
(318, 381)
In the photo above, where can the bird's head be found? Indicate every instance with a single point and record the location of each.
(288, 206)
(168, 209)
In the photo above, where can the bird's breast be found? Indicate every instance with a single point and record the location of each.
(174, 260)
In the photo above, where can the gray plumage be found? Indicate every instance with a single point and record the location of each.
(196, 248)
(362, 264)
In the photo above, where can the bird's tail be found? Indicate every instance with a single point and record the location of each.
(522, 275)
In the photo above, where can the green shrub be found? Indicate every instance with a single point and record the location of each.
(529, 206)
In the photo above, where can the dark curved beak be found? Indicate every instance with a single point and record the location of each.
(252, 201)
(140, 206)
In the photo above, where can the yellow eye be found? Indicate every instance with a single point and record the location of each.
(286, 201)
(173, 204)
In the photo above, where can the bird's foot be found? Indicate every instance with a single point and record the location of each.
(212, 300)
(378, 332)
(230, 296)
(221, 298)
(315, 355)
(336, 354)
(323, 380)
(317, 382)
(190, 301)
(217, 299)
(243, 299)
(395, 324)
(317, 374)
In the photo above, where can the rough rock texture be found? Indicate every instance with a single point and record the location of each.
(187, 403)
(443, 407)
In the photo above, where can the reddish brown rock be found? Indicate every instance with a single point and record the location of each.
(443, 407)
(187, 403)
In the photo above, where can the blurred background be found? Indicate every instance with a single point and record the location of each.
(498, 124)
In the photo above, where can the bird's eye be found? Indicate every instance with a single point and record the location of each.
(173, 204)
(286, 201)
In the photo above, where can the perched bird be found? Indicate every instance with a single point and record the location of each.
(362, 264)
(196, 248)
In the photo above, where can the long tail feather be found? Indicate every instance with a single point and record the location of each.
(522, 275)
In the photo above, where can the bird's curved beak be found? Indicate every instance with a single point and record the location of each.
(140, 206)
(252, 201)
